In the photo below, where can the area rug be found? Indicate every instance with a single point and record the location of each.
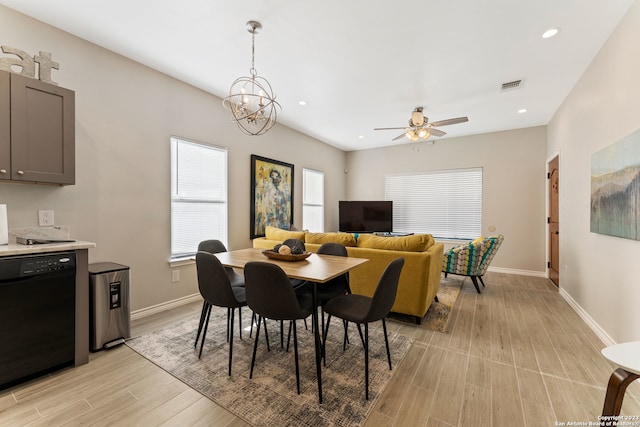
(439, 313)
(270, 398)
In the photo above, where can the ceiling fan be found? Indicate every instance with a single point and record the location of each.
(419, 126)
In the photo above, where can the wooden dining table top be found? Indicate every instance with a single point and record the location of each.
(315, 268)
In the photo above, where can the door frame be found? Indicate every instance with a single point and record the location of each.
(553, 155)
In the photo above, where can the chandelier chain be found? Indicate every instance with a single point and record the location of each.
(253, 54)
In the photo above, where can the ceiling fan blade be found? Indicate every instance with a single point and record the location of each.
(390, 128)
(402, 135)
(436, 132)
(449, 122)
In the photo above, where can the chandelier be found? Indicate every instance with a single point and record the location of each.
(251, 99)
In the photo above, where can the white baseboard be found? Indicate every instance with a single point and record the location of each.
(518, 272)
(604, 337)
(148, 311)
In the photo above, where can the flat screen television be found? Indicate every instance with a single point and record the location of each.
(365, 216)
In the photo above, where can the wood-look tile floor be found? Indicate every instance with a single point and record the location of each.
(515, 355)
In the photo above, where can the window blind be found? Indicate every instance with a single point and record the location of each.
(198, 195)
(446, 204)
(312, 200)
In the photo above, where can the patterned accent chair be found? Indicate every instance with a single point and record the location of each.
(472, 259)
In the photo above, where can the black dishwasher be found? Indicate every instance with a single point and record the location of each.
(37, 315)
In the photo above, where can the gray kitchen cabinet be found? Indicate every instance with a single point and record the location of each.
(37, 131)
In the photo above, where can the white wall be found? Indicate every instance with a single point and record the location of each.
(600, 273)
(514, 167)
(125, 115)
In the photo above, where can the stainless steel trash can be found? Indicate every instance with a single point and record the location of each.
(110, 318)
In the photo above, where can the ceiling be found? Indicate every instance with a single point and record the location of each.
(358, 65)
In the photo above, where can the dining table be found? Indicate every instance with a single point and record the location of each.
(315, 269)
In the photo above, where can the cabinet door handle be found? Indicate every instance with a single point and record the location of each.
(20, 173)
(3, 171)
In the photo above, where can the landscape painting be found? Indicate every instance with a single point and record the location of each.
(615, 189)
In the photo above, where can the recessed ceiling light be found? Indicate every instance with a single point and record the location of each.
(360, 136)
(550, 33)
(302, 103)
(522, 110)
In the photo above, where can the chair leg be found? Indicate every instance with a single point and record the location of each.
(228, 317)
(345, 341)
(366, 361)
(239, 323)
(281, 334)
(289, 335)
(266, 333)
(386, 341)
(233, 310)
(361, 336)
(481, 281)
(475, 283)
(618, 382)
(204, 332)
(255, 348)
(295, 352)
(203, 314)
(253, 321)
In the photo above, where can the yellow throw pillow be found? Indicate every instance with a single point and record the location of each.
(275, 233)
(477, 240)
(345, 239)
(413, 243)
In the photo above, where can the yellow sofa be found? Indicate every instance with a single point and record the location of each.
(420, 277)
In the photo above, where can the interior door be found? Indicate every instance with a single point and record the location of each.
(554, 222)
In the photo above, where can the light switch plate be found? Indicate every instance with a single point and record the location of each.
(45, 218)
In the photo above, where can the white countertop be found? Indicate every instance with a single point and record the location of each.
(16, 249)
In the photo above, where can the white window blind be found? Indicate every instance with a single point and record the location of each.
(446, 204)
(312, 200)
(198, 195)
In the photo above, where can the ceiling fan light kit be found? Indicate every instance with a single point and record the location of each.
(251, 99)
(420, 128)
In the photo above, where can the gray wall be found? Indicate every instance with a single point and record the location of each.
(598, 273)
(514, 185)
(125, 115)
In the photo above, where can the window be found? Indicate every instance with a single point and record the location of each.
(446, 204)
(198, 195)
(312, 200)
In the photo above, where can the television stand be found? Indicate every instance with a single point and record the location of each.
(391, 234)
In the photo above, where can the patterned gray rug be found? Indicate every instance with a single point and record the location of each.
(270, 398)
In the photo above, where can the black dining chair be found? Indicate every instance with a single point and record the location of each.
(271, 296)
(213, 247)
(334, 287)
(363, 310)
(215, 287)
(296, 283)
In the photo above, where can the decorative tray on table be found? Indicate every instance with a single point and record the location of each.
(282, 257)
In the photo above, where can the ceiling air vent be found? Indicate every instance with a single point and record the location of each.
(511, 85)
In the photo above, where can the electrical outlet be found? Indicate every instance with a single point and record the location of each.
(175, 276)
(45, 218)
